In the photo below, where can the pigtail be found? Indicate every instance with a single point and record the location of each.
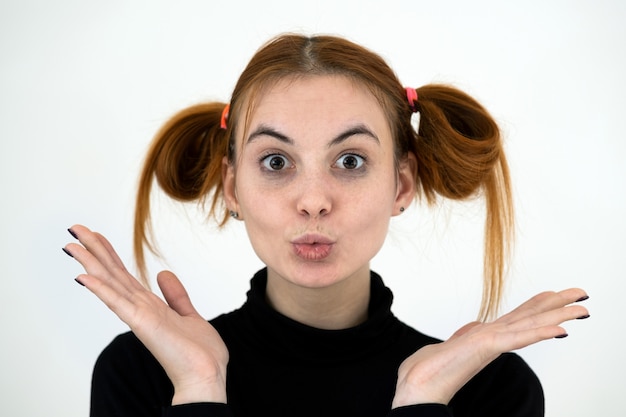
(460, 153)
(185, 157)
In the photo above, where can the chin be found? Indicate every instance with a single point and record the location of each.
(316, 275)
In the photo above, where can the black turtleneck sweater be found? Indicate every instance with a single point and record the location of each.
(279, 367)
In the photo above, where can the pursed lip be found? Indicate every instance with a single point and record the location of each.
(311, 239)
(312, 246)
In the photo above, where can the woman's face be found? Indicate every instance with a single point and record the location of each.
(315, 180)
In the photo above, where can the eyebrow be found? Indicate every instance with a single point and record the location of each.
(265, 130)
(359, 129)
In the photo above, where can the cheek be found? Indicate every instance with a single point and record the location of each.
(261, 218)
(378, 194)
(370, 210)
(375, 215)
(368, 230)
(260, 207)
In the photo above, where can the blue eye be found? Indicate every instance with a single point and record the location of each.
(350, 161)
(275, 162)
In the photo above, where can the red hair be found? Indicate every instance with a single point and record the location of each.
(458, 147)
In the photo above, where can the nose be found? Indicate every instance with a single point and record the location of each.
(314, 196)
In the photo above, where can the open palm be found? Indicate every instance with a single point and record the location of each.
(187, 346)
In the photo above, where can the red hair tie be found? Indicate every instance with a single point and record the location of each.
(411, 96)
(223, 124)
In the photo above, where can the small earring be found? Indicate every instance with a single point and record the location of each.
(234, 214)
(401, 209)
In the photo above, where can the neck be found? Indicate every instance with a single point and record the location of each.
(341, 305)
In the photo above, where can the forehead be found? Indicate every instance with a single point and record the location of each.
(307, 102)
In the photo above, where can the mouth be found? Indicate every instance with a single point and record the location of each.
(312, 247)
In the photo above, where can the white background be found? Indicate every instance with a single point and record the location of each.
(84, 85)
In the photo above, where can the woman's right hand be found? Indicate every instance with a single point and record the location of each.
(190, 350)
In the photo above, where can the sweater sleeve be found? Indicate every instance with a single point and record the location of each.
(128, 381)
(421, 410)
(198, 410)
(507, 387)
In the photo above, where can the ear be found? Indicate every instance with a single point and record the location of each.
(229, 189)
(407, 174)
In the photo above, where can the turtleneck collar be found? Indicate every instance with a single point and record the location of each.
(276, 335)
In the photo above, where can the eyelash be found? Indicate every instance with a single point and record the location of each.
(363, 160)
(264, 161)
(266, 158)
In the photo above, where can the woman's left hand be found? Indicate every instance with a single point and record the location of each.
(436, 372)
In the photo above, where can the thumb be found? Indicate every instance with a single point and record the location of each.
(175, 294)
(465, 329)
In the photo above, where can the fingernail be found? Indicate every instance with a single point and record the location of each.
(72, 233)
(561, 336)
(67, 253)
(76, 279)
(583, 298)
(586, 316)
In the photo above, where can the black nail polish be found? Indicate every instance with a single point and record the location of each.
(583, 298)
(72, 233)
(76, 279)
(67, 253)
(561, 336)
(586, 316)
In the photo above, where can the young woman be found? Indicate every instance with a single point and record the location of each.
(315, 153)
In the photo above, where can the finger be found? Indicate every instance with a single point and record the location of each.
(93, 243)
(549, 318)
(519, 339)
(116, 259)
(111, 251)
(175, 294)
(104, 242)
(101, 261)
(465, 329)
(92, 265)
(125, 304)
(544, 302)
(510, 341)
